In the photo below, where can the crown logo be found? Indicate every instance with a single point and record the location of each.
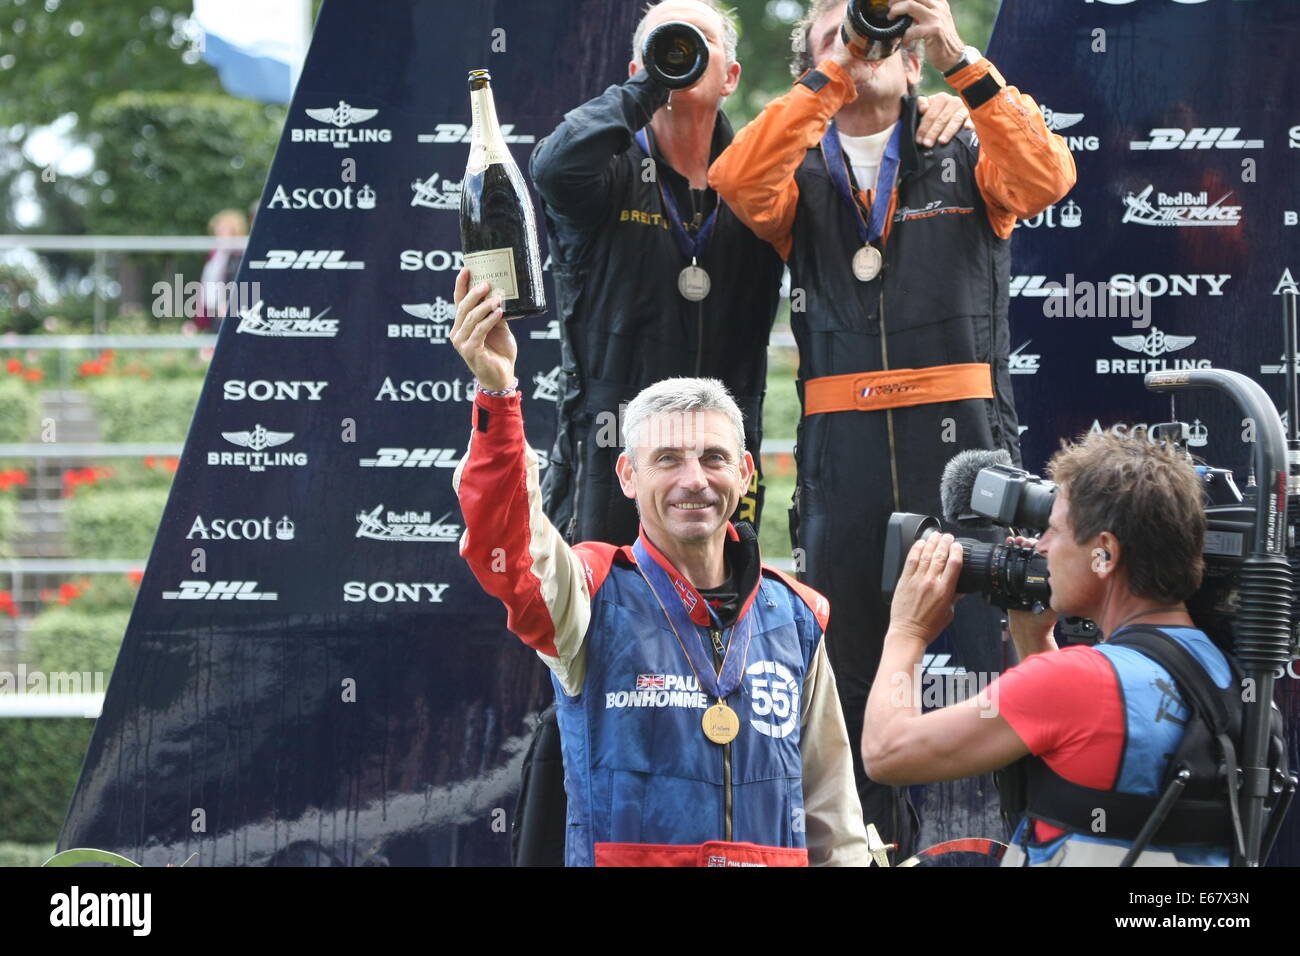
(1197, 435)
(1071, 215)
(284, 529)
(366, 198)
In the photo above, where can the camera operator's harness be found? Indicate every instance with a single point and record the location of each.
(1197, 806)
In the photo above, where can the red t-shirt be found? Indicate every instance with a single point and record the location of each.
(1067, 708)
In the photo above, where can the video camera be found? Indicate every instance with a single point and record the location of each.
(981, 489)
(1246, 600)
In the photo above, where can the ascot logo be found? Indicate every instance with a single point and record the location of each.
(388, 592)
(1060, 121)
(306, 259)
(548, 386)
(288, 322)
(427, 390)
(1179, 209)
(241, 529)
(413, 458)
(341, 118)
(1024, 363)
(265, 390)
(432, 196)
(458, 133)
(1198, 137)
(405, 526)
(552, 331)
(1198, 435)
(1070, 216)
(322, 198)
(1294, 137)
(439, 312)
(257, 458)
(219, 591)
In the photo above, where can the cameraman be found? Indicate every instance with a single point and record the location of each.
(1123, 547)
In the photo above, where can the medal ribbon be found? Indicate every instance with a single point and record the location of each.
(833, 154)
(717, 685)
(691, 248)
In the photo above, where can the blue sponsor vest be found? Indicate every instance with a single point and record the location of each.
(1154, 718)
(637, 766)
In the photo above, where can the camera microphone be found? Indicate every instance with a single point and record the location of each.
(958, 485)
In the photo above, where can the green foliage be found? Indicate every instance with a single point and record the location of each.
(172, 160)
(19, 410)
(67, 54)
(43, 759)
(25, 854)
(8, 524)
(109, 523)
(130, 410)
(76, 639)
(21, 306)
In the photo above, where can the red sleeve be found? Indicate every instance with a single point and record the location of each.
(513, 549)
(1066, 706)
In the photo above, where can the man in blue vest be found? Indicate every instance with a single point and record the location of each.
(698, 715)
(1123, 548)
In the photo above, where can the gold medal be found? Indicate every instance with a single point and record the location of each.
(721, 725)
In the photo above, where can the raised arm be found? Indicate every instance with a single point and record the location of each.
(571, 166)
(755, 174)
(516, 554)
(1023, 167)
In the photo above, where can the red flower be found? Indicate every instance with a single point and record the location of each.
(149, 461)
(135, 576)
(14, 366)
(33, 375)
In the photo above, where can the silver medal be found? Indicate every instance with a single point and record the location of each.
(693, 283)
(866, 263)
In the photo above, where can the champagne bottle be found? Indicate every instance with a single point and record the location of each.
(498, 233)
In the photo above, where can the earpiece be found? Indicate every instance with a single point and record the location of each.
(1099, 558)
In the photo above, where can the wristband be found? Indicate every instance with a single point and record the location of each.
(498, 392)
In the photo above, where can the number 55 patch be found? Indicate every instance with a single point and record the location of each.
(776, 698)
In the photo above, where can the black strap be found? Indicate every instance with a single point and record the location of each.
(1202, 693)
(981, 91)
(814, 80)
(1061, 803)
(1070, 806)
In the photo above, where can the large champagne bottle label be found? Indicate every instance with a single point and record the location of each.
(498, 232)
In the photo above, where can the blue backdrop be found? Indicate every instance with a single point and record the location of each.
(312, 676)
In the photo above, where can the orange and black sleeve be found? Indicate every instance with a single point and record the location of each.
(755, 174)
(1023, 167)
